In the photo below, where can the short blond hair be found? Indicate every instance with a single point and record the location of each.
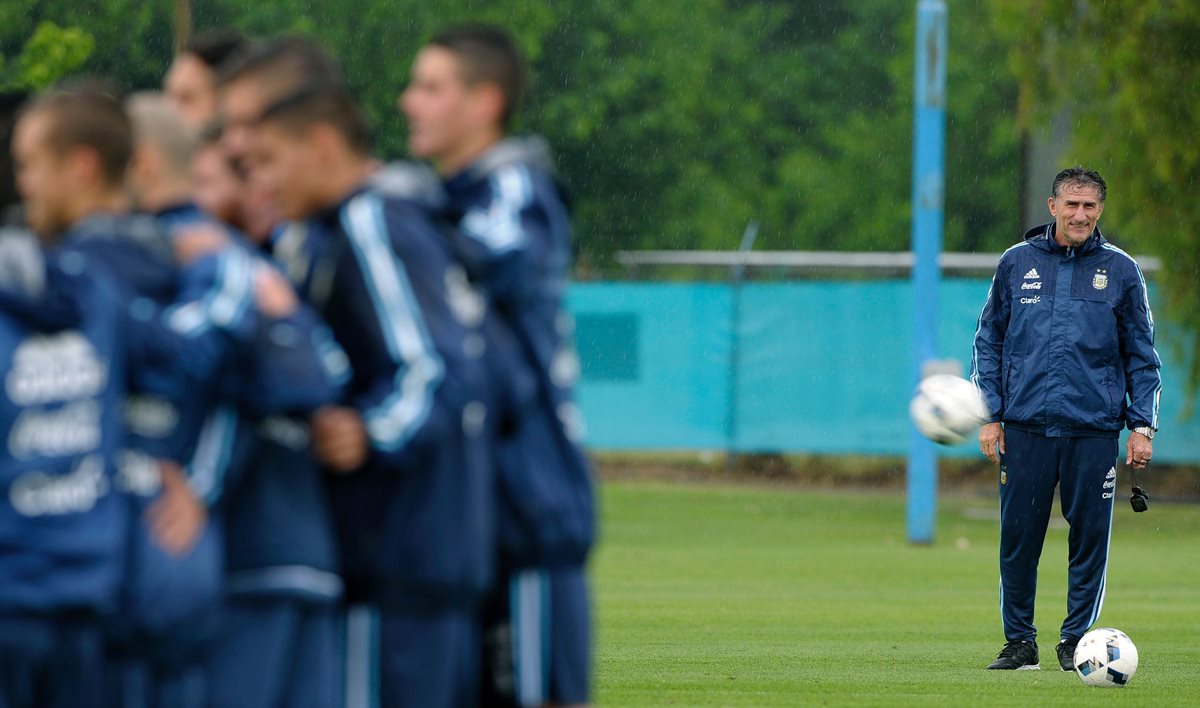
(156, 122)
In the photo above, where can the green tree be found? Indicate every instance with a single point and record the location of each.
(675, 124)
(50, 53)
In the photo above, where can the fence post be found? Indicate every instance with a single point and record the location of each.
(736, 275)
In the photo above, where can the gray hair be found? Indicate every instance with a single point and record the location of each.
(1081, 177)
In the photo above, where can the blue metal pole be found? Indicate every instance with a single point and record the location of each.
(929, 153)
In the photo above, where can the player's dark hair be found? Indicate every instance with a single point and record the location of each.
(210, 134)
(281, 66)
(86, 115)
(215, 48)
(321, 104)
(1080, 176)
(488, 53)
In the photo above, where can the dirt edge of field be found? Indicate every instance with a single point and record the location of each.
(882, 474)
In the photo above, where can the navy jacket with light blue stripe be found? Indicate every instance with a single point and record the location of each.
(209, 354)
(1065, 342)
(259, 468)
(514, 236)
(415, 525)
(63, 528)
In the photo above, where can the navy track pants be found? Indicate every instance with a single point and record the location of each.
(1084, 470)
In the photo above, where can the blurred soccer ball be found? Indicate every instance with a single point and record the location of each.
(1105, 657)
(947, 408)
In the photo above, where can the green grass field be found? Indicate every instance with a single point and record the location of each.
(736, 595)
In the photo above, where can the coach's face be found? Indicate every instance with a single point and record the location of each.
(1076, 210)
(43, 175)
(440, 107)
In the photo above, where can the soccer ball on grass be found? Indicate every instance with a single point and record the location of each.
(947, 408)
(1106, 658)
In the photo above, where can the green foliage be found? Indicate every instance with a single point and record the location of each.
(51, 53)
(675, 124)
(1126, 71)
(734, 596)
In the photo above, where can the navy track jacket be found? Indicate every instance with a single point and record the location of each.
(62, 363)
(514, 237)
(254, 460)
(1065, 342)
(415, 524)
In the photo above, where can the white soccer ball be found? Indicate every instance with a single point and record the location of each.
(947, 408)
(1105, 657)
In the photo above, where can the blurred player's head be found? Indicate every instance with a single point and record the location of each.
(163, 145)
(71, 149)
(223, 193)
(191, 83)
(465, 87)
(216, 186)
(262, 74)
(309, 149)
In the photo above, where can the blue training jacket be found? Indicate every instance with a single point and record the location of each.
(1065, 342)
(514, 236)
(254, 461)
(209, 354)
(415, 524)
(63, 528)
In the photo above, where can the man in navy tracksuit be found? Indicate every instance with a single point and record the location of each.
(412, 482)
(206, 337)
(514, 237)
(63, 527)
(1064, 357)
(276, 638)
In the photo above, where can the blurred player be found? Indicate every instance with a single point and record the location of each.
(281, 582)
(221, 187)
(514, 236)
(412, 499)
(190, 83)
(63, 528)
(259, 76)
(216, 188)
(221, 192)
(75, 147)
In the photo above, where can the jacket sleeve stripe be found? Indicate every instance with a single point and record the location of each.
(986, 314)
(225, 303)
(419, 368)
(206, 473)
(497, 225)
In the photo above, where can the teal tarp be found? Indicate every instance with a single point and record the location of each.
(821, 366)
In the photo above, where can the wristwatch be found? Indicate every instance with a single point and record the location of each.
(1145, 430)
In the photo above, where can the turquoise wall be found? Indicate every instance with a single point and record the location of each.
(823, 366)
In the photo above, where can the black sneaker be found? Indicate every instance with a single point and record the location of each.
(1017, 655)
(1066, 654)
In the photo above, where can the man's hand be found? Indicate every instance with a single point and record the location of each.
(177, 518)
(991, 438)
(1138, 451)
(273, 294)
(194, 242)
(340, 438)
